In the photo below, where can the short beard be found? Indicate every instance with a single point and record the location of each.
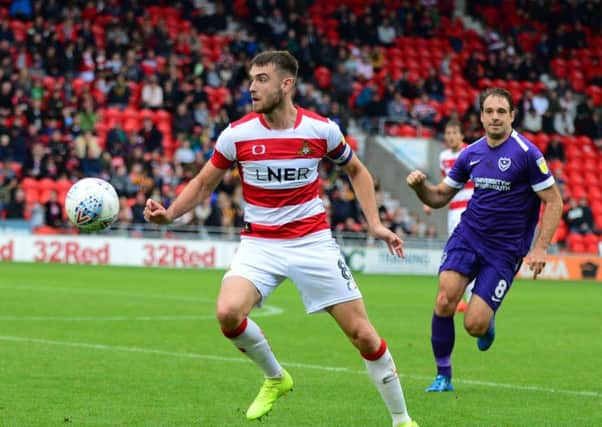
(496, 135)
(269, 108)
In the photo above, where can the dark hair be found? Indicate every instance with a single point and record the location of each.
(454, 124)
(282, 59)
(496, 91)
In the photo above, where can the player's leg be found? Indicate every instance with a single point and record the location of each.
(479, 322)
(252, 277)
(494, 281)
(352, 318)
(443, 336)
(236, 299)
(325, 283)
(453, 219)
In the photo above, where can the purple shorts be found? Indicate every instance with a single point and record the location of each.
(493, 271)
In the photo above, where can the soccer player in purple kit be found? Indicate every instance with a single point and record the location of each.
(496, 231)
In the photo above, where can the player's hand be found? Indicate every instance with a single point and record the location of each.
(393, 241)
(155, 212)
(427, 209)
(416, 179)
(536, 260)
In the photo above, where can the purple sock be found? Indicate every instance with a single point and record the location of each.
(442, 339)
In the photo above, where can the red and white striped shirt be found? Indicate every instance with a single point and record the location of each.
(279, 171)
(447, 158)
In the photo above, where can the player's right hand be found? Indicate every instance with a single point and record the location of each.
(416, 178)
(155, 212)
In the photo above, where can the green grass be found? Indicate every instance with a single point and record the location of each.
(106, 346)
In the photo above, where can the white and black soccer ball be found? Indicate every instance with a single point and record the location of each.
(92, 204)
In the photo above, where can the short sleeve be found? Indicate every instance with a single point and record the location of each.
(337, 148)
(224, 154)
(540, 176)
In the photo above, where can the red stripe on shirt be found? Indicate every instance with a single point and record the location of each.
(460, 204)
(292, 230)
(280, 149)
(270, 198)
(219, 161)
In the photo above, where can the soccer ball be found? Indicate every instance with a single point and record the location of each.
(92, 204)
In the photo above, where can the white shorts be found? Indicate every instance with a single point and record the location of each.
(314, 263)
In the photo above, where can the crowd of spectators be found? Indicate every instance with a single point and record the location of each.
(136, 92)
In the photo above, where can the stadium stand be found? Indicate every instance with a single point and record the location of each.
(137, 92)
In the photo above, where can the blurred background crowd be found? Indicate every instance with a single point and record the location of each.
(136, 92)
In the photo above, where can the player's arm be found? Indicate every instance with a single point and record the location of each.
(196, 191)
(363, 185)
(552, 212)
(435, 196)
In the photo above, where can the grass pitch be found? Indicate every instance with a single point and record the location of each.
(108, 346)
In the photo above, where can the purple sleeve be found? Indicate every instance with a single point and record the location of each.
(540, 176)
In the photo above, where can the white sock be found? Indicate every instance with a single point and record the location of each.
(381, 369)
(249, 339)
(468, 291)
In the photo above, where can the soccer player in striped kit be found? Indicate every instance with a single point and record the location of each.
(455, 142)
(277, 149)
(511, 180)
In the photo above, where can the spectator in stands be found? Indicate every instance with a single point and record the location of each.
(396, 109)
(88, 116)
(423, 111)
(117, 142)
(125, 215)
(152, 93)
(183, 154)
(584, 120)
(119, 93)
(532, 121)
(386, 32)
(555, 151)
(433, 86)
(579, 217)
(201, 114)
(563, 124)
(183, 120)
(151, 137)
(122, 182)
(138, 208)
(53, 211)
(15, 208)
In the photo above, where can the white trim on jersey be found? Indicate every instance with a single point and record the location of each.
(280, 216)
(452, 183)
(544, 184)
(515, 136)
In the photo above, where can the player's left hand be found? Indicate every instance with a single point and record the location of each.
(392, 240)
(536, 260)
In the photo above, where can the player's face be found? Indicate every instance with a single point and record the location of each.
(496, 117)
(453, 137)
(267, 88)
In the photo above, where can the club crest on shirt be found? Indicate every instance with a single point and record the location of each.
(504, 163)
(305, 149)
(541, 164)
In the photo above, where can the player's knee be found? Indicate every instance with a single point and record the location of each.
(365, 339)
(444, 305)
(475, 327)
(229, 317)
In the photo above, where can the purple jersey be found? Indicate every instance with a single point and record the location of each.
(504, 208)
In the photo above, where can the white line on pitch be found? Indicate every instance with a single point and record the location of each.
(106, 292)
(128, 349)
(265, 311)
